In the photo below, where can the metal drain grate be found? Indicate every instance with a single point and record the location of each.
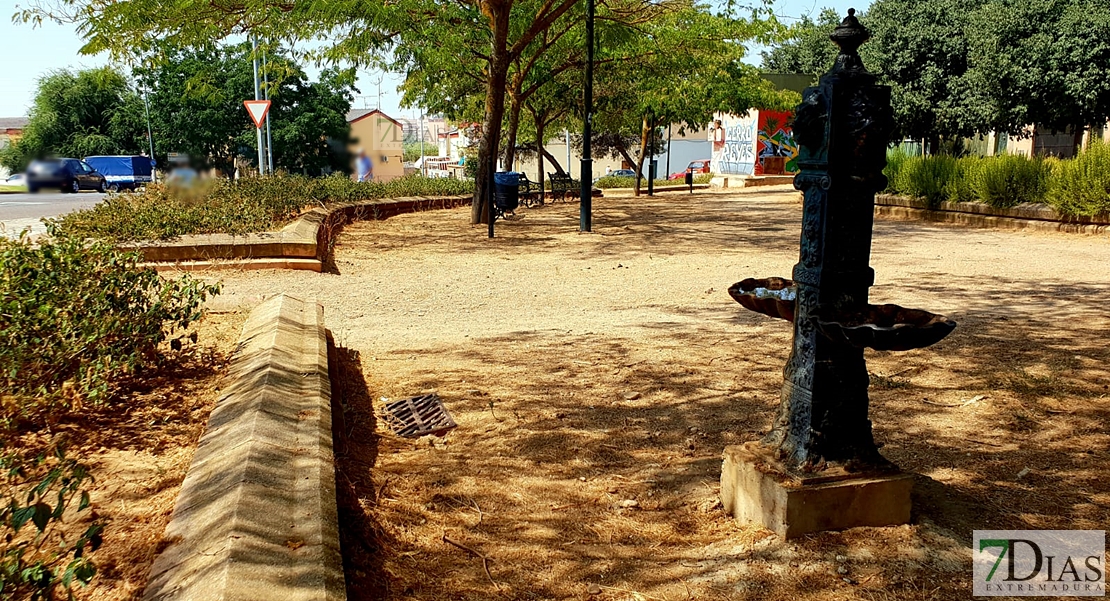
(419, 415)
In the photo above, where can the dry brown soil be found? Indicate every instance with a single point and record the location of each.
(138, 449)
(590, 371)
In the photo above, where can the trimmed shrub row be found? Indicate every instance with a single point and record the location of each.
(235, 207)
(1079, 186)
(609, 182)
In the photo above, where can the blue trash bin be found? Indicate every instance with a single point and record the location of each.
(506, 190)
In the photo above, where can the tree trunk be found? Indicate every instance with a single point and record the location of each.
(498, 15)
(510, 137)
(554, 161)
(643, 152)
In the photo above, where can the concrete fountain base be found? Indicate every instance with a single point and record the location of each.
(755, 488)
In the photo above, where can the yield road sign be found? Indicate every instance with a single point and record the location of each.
(257, 110)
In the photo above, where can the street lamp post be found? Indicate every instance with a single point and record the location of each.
(585, 209)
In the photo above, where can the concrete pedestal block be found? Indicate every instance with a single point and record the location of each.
(755, 488)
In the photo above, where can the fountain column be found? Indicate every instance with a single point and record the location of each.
(818, 468)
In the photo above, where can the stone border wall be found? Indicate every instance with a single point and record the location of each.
(1036, 217)
(303, 244)
(256, 517)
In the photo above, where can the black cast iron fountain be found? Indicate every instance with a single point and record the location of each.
(822, 430)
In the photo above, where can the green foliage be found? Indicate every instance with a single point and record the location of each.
(236, 207)
(610, 181)
(1009, 180)
(412, 150)
(1081, 186)
(807, 49)
(78, 114)
(75, 317)
(196, 108)
(926, 177)
(37, 553)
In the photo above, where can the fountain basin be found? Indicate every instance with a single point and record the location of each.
(884, 327)
(773, 297)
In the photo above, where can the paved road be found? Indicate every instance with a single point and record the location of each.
(19, 211)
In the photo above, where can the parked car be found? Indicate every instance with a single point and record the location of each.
(68, 175)
(16, 179)
(617, 173)
(695, 166)
(123, 172)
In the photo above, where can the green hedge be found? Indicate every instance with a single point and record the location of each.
(609, 182)
(235, 207)
(1079, 186)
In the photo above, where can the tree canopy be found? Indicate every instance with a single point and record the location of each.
(964, 67)
(77, 114)
(196, 99)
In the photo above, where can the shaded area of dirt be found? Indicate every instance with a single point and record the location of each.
(138, 448)
(596, 379)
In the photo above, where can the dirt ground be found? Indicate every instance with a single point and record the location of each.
(596, 379)
(138, 450)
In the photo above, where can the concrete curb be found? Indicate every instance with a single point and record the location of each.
(308, 238)
(256, 517)
(986, 221)
(1036, 217)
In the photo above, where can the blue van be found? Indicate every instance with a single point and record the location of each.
(124, 172)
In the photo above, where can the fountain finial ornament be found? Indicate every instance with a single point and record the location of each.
(849, 36)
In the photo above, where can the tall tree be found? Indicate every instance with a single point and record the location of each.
(196, 99)
(1043, 62)
(806, 49)
(77, 114)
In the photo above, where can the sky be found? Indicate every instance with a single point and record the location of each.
(27, 54)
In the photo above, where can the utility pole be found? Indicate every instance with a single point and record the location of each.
(585, 208)
(423, 170)
(258, 96)
(266, 96)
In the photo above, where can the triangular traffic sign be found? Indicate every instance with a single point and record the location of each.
(257, 110)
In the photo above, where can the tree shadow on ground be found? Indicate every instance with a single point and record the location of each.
(586, 458)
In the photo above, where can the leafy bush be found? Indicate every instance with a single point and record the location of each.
(960, 188)
(609, 182)
(927, 177)
(1009, 180)
(77, 316)
(895, 163)
(1081, 186)
(235, 207)
(38, 552)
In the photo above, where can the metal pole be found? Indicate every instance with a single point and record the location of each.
(651, 157)
(585, 209)
(423, 171)
(149, 135)
(258, 96)
(566, 136)
(489, 187)
(266, 96)
(669, 150)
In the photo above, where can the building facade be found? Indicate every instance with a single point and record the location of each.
(382, 137)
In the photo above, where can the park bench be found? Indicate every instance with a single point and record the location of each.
(506, 199)
(530, 193)
(561, 184)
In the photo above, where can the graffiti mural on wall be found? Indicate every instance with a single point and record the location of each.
(777, 150)
(733, 144)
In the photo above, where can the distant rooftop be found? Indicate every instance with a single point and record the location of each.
(13, 122)
(356, 114)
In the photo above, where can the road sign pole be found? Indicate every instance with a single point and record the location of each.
(269, 133)
(258, 96)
